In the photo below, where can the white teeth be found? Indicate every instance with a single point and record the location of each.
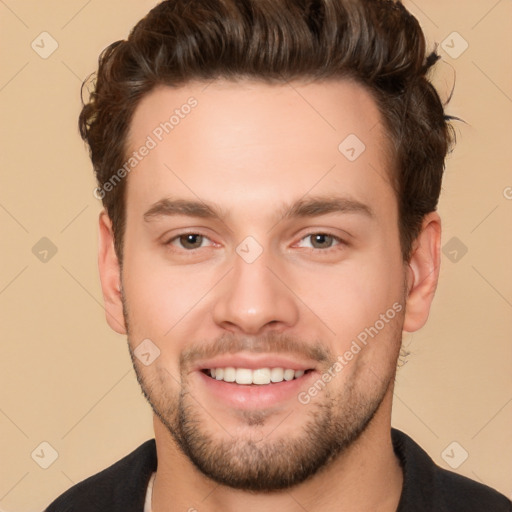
(289, 374)
(229, 374)
(276, 374)
(259, 376)
(243, 376)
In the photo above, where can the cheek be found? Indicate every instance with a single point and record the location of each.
(352, 295)
(162, 298)
(361, 303)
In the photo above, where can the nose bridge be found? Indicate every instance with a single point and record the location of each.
(252, 296)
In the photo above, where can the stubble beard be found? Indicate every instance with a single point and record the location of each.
(274, 462)
(262, 463)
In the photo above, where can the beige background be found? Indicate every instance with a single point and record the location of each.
(67, 380)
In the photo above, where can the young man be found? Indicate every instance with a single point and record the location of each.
(270, 172)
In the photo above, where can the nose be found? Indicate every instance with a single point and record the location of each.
(255, 298)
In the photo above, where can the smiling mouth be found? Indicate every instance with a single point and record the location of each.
(259, 376)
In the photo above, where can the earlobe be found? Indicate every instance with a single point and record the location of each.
(110, 275)
(423, 273)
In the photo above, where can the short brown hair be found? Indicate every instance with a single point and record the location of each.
(378, 43)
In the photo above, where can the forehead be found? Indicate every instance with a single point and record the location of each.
(247, 141)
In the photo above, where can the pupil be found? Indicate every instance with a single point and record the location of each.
(191, 239)
(322, 239)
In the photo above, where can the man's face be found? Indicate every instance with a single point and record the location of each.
(272, 282)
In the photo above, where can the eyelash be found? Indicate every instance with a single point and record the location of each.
(340, 241)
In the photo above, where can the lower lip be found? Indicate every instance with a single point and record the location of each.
(255, 396)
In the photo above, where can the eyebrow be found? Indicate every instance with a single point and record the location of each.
(311, 207)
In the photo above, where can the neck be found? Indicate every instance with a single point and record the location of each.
(367, 476)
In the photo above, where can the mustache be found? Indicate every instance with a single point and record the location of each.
(272, 342)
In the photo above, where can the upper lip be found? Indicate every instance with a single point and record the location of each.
(253, 362)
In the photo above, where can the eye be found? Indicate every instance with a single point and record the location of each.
(188, 241)
(322, 241)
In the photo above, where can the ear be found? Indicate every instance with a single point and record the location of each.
(110, 275)
(423, 273)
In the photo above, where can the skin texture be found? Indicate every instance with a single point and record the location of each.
(251, 150)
